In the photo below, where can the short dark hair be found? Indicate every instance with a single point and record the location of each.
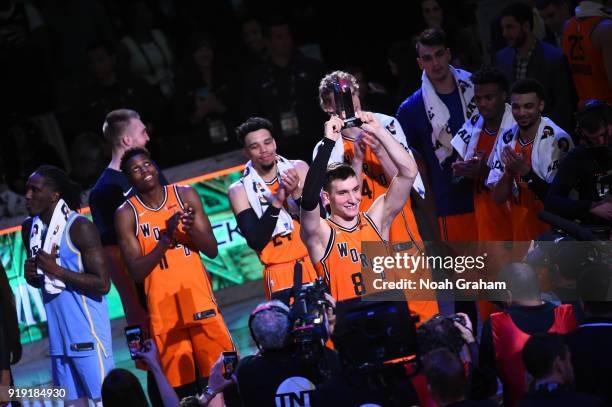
(445, 375)
(253, 124)
(540, 352)
(107, 46)
(593, 114)
(121, 387)
(542, 4)
(129, 154)
(521, 13)
(487, 75)
(431, 37)
(116, 122)
(439, 332)
(337, 171)
(528, 85)
(60, 182)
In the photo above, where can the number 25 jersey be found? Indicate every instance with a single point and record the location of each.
(178, 287)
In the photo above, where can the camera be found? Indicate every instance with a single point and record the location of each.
(458, 318)
(309, 319)
(343, 99)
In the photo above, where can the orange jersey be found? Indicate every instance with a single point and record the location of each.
(374, 183)
(342, 261)
(493, 220)
(585, 61)
(525, 207)
(286, 248)
(178, 288)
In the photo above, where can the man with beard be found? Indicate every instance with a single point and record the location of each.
(526, 159)
(527, 57)
(265, 203)
(586, 169)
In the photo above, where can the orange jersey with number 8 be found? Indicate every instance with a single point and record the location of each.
(342, 262)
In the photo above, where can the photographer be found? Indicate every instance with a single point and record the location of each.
(277, 375)
(586, 170)
(455, 334)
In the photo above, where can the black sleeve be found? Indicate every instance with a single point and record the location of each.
(538, 185)
(558, 200)
(257, 231)
(316, 175)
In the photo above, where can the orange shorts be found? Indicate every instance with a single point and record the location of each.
(462, 227)
(180, 350)
(280, 276)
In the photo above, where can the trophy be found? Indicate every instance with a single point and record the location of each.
(344, 104)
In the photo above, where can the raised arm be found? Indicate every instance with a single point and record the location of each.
(196, 223)
(138, 265)
(314, 230)
(94, 279)
(384, 210)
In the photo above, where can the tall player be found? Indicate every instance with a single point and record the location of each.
(346, 224)
(377, 170)
(265, 202)
(161, 231)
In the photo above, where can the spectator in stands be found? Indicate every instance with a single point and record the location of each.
(526, 159)
(87, 159)
(447, 381)
(122, 388)
(527, 57)
(587, 44)
(406, 75)
(24, 150)
(254, 42)
(590, 343)
(547, 359)
(284, 91)
(146, 51)
(24, 57)
(374, 96)
(204, 104)
(462, 39)
(74, 25)
(555, 14)
(505, 333)
(112, 89)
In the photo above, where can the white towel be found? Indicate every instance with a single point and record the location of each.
(438, 113)
(592, 9)
(53, 237)
(260, 196)
(466, 139)
(393, 126)
(550, 146)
